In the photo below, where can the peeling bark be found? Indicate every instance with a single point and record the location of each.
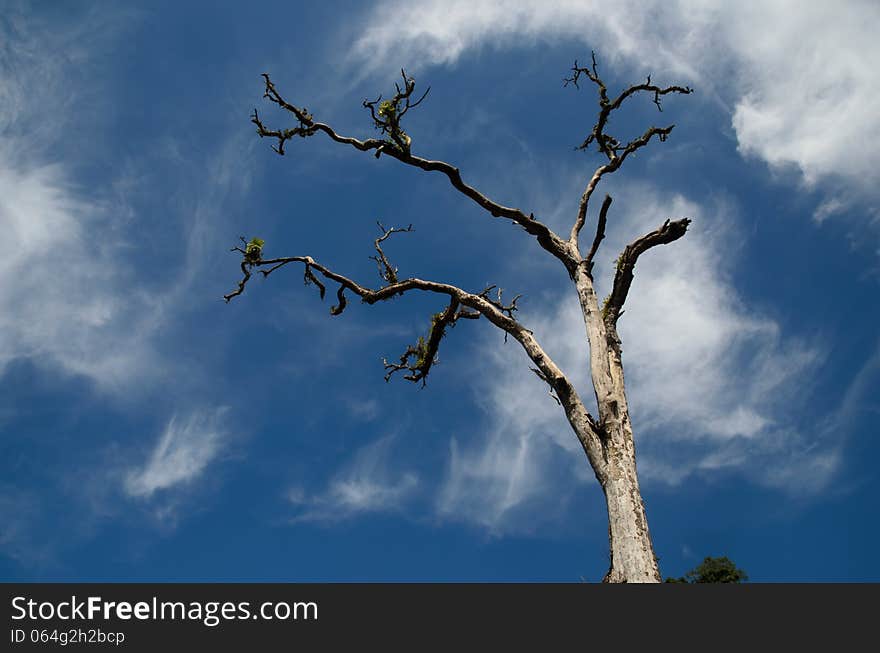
(632, 553)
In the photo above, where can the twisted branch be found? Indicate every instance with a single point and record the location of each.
(387, 272)
(462, 305)
(614, 150)
(388, 121)
(419, 358)
(388, 113)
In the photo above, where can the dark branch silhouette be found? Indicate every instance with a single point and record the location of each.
(606, 439)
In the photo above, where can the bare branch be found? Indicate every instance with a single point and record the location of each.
(668, 232)
(581, 218)
(607, 144)
(600, 233)
(465, 314)
(661, 132)
(246, 275)
(386, 271)
(341, 302)
(507, 309)
(613, 149)
(388, 113)
(592, 73)
(541, 376)
(611, 166)
(387, 120)
(648, 87)
(251, 253)
(308, 278)
(419, 358)
(462, 305)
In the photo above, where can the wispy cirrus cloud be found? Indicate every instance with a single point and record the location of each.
(367, 484)
(183, 452)
(73, 294)
(63, 292)
(712, 383)
(107, 250)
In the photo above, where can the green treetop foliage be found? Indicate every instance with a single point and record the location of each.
(713, 570)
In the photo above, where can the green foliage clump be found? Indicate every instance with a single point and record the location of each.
(388, 112)
(713, 570)
(386, 109)
(422, 352)
(253, 251)
(421, 347)
(605, 303)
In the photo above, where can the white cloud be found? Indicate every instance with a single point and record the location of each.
(363, 409)
(710, 381)
(808, 85)
(64, 298)
(435, 32)
(71, 298)
(801, 76)
(181, 455)
(697, 355)
(83, 221)
(509, 478)
(365, 485)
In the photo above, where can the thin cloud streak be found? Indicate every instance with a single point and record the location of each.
(63, 288)
(181, 455)
(367, 484)
(72, 296)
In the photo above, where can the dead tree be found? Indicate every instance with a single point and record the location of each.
(607, 438)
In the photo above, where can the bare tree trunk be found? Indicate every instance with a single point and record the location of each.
(632, 554)
(631, 551)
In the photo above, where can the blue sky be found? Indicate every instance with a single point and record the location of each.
(152, 432)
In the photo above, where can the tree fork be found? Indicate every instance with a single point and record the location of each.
(607, 439)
